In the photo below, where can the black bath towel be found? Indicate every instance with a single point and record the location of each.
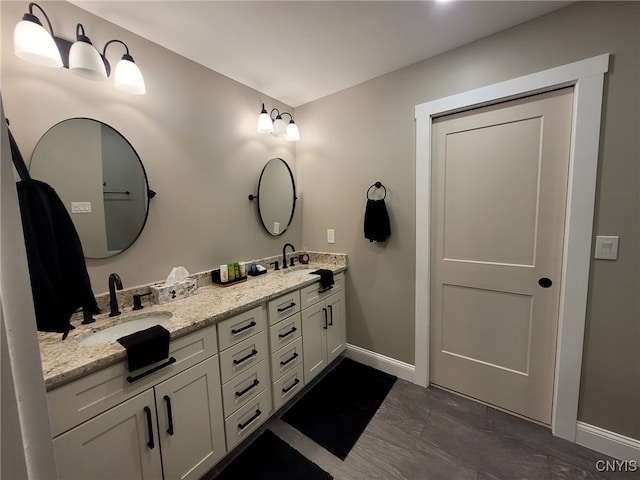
(59, 280)
(376, 221)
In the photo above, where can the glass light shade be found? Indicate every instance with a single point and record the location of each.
(128, 78)
(293, 134)
(33, 43)
(279, 127)
(265, 125)
(86, 62)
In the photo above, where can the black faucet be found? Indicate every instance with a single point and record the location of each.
(114, 282)
(284, 255)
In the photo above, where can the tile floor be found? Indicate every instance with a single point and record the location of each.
(430, 434)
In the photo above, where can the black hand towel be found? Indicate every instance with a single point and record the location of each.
(146, 347)
(376, 221)
(326, 277)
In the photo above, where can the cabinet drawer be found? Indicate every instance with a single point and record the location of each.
(243, 356)
(286, 359)
(284, 306)
(240, 425)
(287, 387)
(86, 397)
(242, 388)
(241, 326)
(314, 293)
(285, 332)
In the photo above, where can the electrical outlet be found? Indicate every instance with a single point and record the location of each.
(331, 236)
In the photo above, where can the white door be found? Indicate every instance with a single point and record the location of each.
(190, 421)
(498, 198)
(119, 443)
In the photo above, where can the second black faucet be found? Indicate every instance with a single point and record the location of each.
(284, 255)
(114, 282)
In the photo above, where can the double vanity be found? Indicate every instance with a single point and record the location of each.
(240, 353)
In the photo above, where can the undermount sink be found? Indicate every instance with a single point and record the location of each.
(111, 334)
(302, 271)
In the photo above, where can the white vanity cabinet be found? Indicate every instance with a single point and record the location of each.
(168, 424)
(285, 346)
(323, 325)
(245, 375)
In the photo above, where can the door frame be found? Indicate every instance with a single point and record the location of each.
(587, 77)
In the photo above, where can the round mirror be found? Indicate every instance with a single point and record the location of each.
(276, 196)
(101, 180)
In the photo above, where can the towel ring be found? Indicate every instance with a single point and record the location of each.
(377, 185)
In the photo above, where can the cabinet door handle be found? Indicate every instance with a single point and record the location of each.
(244, 425)
(253, 353)
(284, 309)
(288, 389)
(330, 315)
(169, 414)
(289, 360)
(255, 383)
(150, 443)
(324, 314)
(283, 335)
(131, 379)
(246, 327)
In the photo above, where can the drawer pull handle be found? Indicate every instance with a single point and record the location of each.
(131, 379)
(284, 309)
(255, 383)
(244, 425)
(330, 315)
(325, 289)
(293, 357)
(169, 414)
(150, 443)
(288, 389)
(246, 327)
(253, 353)
(283, 335)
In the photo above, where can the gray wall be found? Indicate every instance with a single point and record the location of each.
(367, 133)
(195, 132)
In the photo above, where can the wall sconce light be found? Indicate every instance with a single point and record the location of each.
(35, 45)
(277, 126)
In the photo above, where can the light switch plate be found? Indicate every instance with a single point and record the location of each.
(80, 207)
(607, 247)
(331, 236)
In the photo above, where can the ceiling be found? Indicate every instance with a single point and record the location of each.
(299, 51)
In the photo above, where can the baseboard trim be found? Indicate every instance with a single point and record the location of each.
(386, 364)
(607, 442)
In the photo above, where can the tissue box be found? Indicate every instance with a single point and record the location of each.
(161, 294)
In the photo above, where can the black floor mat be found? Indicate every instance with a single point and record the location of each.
(270, 458)
(335, 412)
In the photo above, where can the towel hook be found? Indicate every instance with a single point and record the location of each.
(377, 185)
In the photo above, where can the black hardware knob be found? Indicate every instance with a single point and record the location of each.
(545, 282)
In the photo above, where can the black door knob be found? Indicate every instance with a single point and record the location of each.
(545, 282)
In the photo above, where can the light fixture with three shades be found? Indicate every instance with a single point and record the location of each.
(34, 44)
(276, 126)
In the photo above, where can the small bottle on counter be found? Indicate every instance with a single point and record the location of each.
(243, 270)
(232, 272)
(224, 274)
(236, 269)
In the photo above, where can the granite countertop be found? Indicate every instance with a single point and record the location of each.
(67, 360)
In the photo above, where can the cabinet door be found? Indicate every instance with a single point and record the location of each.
(190, 421)
(120, 443)
(314, 340)
(337, 326)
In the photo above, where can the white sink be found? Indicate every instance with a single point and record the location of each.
(302, 271)
(125, 328)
